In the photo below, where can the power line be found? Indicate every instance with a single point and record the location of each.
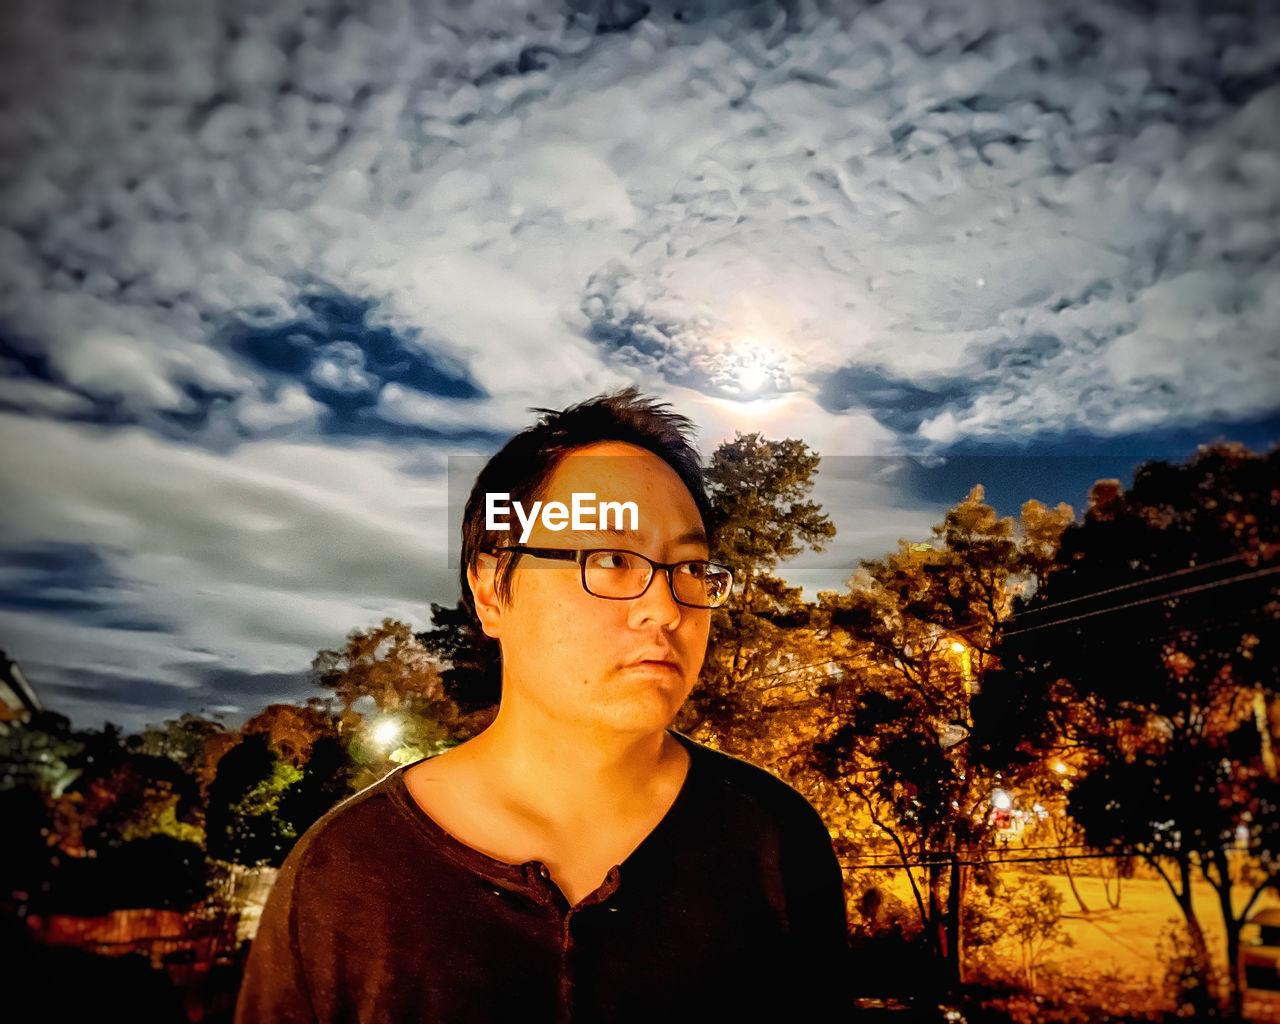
(899, 866)
(1201, 630)
(1238, 578)
(1209, 628)
(1135, 583)
(1021, 849)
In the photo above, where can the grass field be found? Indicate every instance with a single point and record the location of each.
(1124, 943)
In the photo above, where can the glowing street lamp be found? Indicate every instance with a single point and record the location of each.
(963, 653)
(385, 732)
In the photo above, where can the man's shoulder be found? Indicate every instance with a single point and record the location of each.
(353, 827)
(736, 785)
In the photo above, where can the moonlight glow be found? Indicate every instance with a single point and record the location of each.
(751, 369)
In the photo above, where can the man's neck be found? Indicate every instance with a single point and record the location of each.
(563, 774)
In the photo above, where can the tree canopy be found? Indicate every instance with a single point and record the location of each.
(761, 516)
(919, 628)
(1151, 652)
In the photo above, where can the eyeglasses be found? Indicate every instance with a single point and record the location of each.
(625, 575)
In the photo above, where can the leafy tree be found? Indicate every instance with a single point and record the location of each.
(1152, 651)
(243, 819)
(472, 677)
(760, 642)
(182, 740)
(215, 745)
(140, 796)
(1026, 915)
(920, 627)
(1066, 833)
(401, 675)
(41, 754)
(386, 663)
(102, 825)
(119, 795)
(326, 779)
(291, 731)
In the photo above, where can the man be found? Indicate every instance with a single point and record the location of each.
(577, 860)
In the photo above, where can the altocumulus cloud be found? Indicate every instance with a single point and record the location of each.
(250, 254)
(1068, 215)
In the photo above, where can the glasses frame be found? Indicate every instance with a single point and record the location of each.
(580, 555)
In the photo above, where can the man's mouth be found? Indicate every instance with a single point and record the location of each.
(657, 662)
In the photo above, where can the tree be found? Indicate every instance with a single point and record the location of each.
(118, 795)
(243, 820)
(1026, 915)
(472, 677)
(1152, 650)
(386, 663)
(327, 778)
(115, 827)
(291, 731)
(212, 750)
(41, 754)
(182, 740)
(135, 797)
(920, 628)
(760, 517)
(414, 717)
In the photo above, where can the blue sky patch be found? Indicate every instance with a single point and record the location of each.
(343, 360)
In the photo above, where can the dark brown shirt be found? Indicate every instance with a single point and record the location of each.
(732, 908)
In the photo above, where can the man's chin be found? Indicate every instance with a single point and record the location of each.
(651, 713)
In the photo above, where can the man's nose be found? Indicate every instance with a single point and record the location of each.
(657, 602)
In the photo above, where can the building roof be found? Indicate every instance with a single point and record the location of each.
(17, 695)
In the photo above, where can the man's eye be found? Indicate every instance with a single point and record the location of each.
(698, 570)
(618, 560)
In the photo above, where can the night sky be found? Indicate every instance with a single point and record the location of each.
(265, 267)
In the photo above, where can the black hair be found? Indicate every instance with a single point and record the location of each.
(525, 464)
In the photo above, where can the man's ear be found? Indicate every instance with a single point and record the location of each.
(483, 580)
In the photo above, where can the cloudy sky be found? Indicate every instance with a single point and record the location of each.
(266, 266)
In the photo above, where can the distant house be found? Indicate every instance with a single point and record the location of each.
(18, 700)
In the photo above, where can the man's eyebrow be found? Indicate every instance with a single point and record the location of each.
(695, 535)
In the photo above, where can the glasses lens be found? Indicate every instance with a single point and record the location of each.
(702, 584)
(624, 575)
(616, 574)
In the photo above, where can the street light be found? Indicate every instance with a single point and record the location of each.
(385, 732)
(963, 653)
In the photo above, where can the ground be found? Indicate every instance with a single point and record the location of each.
(1123, 943)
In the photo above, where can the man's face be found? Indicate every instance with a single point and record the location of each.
(579, 659)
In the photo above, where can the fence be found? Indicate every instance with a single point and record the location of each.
(195, 955)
